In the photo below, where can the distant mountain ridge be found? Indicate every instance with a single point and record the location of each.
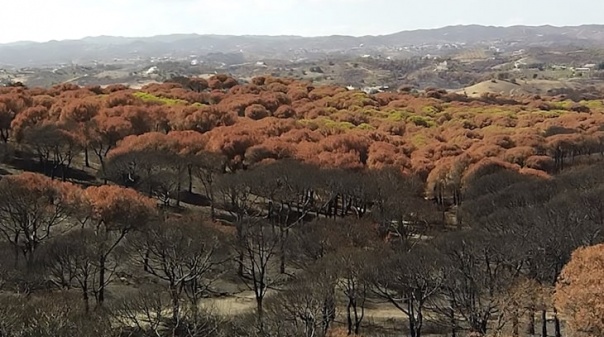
(107, 48)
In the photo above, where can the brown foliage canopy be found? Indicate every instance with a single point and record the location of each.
(579, 291)
(119, 207)
(435, 135)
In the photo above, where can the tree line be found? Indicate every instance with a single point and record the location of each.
(433, 135)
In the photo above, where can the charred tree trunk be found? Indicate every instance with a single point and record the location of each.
(175, 303)
(178, 187)
(190, 174)
(16, 246)
(146, 260)
(63, 173)
(349, 317)
(4, 135)
(86, 159)
(103, 168)
(328, 314)
(412, 327)
(86, 299)
(557, 331)
(240, 264)
(453, 323)
(357, 319)
(515, 323)
(102, 268)
(530, 329)
(543, 323)
(29, 254)
(260, 312)
(282, 249)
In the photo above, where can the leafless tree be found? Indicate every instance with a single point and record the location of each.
(353, 282)
(207, 167)
(307, 307)
(55, 147)
(258, 250)
(143, 313)
(183, 252)
(410, 281)
(71, 261)
(477, 274)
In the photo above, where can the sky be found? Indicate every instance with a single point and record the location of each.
(44, 20)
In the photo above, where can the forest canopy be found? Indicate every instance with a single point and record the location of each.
(436, 135)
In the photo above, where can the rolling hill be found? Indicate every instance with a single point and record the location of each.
(109, 48)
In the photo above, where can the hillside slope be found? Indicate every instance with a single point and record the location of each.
(182, 45)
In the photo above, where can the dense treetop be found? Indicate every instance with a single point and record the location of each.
(436, 135)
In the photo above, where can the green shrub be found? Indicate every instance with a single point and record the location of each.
(424, 121)
(419, 140)
(430, 110)
(398, 115)
(147, 97)
(329, 124)
(365, 126)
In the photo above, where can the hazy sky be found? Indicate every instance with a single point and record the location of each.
(42, 20)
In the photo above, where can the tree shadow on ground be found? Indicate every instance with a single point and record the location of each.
(194, 199)
(24, 163)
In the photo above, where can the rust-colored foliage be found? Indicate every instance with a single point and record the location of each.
(488, 166)
(349, 151)
(270, 149)
(232, 143)
(201, 119)
(256, 112)
(32, 206)
(186, 143)
(119, 207)
(285, 111)
(579, 292)
(325, 125)
(28, 118)
(382, 154)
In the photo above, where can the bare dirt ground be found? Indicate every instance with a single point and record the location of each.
(524, 87)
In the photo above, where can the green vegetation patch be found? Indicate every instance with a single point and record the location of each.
(496, 129)
(366, 127)
(330, 124)
(554, 113)
(419, 140)
(147, 97)
(564, 105)
(397, 115)
(593, 104)
(311, 124)
(430, 110)
(423, 121)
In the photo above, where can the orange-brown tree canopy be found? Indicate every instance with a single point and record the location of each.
(580, 291)
(33, 206)
(119, 207)
(276, 118)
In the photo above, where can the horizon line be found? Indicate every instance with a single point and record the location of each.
(290, 35)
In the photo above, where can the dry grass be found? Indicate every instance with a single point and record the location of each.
(230, 306)
(523, 87)
(498, 87)
(339, 332)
